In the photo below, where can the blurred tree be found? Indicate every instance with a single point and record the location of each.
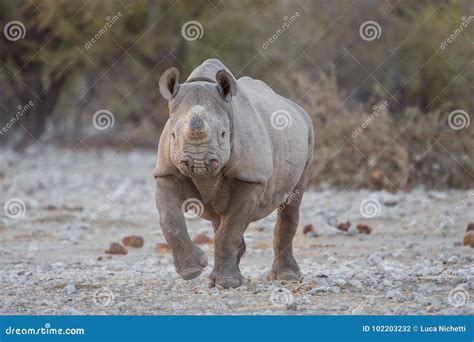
(38, 66)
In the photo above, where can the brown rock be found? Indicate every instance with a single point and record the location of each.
(202, 239)
(116, 248)
(162, 248)
(469, 238)
(364, 229)
(309, 228)
(133, 241)
(470, 227)
(344, 226)
(377, 179)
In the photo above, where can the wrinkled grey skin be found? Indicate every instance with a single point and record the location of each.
(219, 146)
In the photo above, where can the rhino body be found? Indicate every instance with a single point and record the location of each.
(235, 151)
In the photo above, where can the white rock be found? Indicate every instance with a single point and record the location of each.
(69, 289)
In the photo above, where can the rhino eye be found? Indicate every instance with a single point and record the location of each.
(223, 134)
(173, 135)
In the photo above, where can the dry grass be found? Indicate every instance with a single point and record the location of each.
(393, 152)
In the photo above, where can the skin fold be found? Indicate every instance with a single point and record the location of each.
(225, 147)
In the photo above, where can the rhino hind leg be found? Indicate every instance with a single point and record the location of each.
(284, 265)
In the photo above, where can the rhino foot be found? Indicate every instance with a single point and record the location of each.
(226, 280)
(289, 272)
(191, 264)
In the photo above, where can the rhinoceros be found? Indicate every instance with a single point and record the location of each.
(234, 152)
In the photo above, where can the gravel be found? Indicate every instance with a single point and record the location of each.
(77, 202)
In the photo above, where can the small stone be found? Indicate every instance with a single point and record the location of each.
(70, 289)
(374, 259)
(340, 282)
(307, 229)
(469, 237)
(364, 229)
(452, 260)
(162, 248)
(202, 239)
(116, 248)
(344, 226)
(133, 241)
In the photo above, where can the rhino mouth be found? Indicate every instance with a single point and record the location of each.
(199, 167)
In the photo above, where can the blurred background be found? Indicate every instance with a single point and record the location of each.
(389, 84)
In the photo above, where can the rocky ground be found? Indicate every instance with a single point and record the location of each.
(62, 208)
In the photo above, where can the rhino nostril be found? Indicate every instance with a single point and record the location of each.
(195, 123)
(215, 164)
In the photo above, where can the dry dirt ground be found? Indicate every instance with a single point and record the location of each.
(76, 202)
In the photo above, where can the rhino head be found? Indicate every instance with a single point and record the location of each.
(200, 121)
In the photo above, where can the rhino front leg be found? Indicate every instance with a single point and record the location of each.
(189, 259)
(229, 245)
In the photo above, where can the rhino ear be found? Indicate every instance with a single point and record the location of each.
(169, 83)
(226, 85)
